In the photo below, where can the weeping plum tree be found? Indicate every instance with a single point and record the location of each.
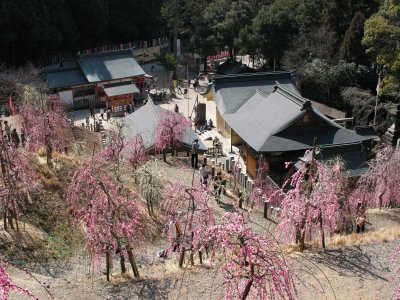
(170, 129)
(189, 208)
(18, 180)
(263, 192)
(250, 263)
(151, 184)
(135, 152)
(316, 202)
(44, 123)
(112, 217)
(382, 180)
(7, 285)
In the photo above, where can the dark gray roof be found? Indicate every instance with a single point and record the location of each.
(232, 91)
(233, 67)
(367, 131)
(109, 65)
(144, 121)
(124, 89)
(301, 138)
(353, 156)
(59, 78)
(264, 123)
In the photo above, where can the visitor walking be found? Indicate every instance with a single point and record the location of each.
(195, 153)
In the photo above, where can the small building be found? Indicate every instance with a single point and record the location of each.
(144, 121)
(111, 79)
(282, 125)
(230, 67)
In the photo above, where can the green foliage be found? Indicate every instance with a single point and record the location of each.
(169, 61)
(31, 30)
(275, 25)
(351, 49)
(381, 38)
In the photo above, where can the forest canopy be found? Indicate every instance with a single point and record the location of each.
(31, 30)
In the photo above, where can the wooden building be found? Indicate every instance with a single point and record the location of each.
(281, 125)
(110, 79)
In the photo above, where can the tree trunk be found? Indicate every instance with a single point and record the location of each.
(133, 264)
(231, 53)
(122, 261)
(181, 257)
(302, 240)
(248, 285)
(49, 154)
(108, 267)
(10, 222)
(5, 221)
(191, 258)
(201, 257)
(205, 64)
(164, 156)
(321, 228)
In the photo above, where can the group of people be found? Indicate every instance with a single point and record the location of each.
(206, 126)
(11, 135)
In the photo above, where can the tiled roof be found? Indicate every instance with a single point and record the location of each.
(109, 66)
(58, 78)
(144, 121)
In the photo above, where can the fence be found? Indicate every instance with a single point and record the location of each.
(161, 43)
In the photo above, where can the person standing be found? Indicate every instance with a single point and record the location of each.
(23, 134)
(15, 138)
(108, 114)
(176, 108)
(91, 109)
(128, 109)
(218, 186)
(203, 171)
(195, 153)
(7, 129)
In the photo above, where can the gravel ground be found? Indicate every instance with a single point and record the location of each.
(359, 272)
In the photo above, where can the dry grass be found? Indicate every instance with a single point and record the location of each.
(382, 235)
(42, 152)
(354, 239)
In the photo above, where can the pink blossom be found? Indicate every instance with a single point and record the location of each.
(170, 129)
(251, 264)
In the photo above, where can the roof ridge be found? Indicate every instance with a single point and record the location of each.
(299, 100)
(105, 53)
(253, 76)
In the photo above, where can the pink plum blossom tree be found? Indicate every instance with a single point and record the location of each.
(44, 124)
(18, 180)
(315, 202)
(135, 152)
(113, 218)
(251, 264)
(189, 210)
(169, 130)
(7, 285)
(382, 180)
(264, 192)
